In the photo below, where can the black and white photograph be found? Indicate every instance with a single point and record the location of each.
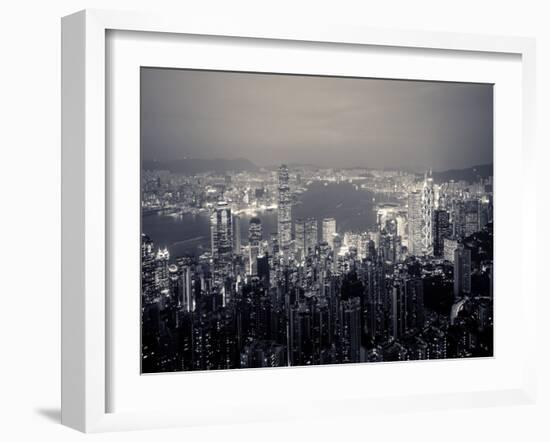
(243, 221)
(297, 220)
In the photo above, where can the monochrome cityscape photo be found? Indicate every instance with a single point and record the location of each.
(299, 220)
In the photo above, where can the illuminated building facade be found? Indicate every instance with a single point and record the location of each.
(284, 212)
(441, 230)
(254, 240)
(352, 296)
(329, 230)
(415, 221)
(427, 208)
(221, 229)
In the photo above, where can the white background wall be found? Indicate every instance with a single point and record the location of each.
(30, 220)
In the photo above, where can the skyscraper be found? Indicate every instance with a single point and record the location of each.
(398, 309)
(415, 303)
(237, 235)
(186, 302)
(263, 269)
(449, 247)
(329, 230)
(415, 222)
(222, 241)
(263, 354)
(462, 271)
(350, 330)
(274, 243)
(175, 283)
(300, 238)
(458, 213)
(471, 217)
(401, 221)
(323, 331)
(485, 212)
(389, 247)
(427, 213)
(311, 235)
(284, 212)
(148, 268)
(161, 269)
(441, 230)
(300, 335)
(254, 239)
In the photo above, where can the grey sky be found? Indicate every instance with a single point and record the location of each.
(326, 121)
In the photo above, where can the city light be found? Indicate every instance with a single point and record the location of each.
(414, 282)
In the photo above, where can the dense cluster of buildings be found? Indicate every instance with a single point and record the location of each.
(416, 286)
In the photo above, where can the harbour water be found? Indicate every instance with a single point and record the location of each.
(352, 207)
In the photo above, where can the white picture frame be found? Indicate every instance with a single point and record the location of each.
(85, 197)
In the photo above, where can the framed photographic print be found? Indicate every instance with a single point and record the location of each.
(292, 219)
(298, 231)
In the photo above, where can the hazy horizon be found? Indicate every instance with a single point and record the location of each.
(335, 122)
(275, 166)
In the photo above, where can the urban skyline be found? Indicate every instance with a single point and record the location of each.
(299, 265)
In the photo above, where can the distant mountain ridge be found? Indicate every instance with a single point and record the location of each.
(470, 174)
(191, 166)
(199, 165)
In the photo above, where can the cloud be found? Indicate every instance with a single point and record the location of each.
(328, 121)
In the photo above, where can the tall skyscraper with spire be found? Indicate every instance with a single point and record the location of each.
(284, 212)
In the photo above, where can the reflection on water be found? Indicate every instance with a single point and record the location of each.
(352, 208)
